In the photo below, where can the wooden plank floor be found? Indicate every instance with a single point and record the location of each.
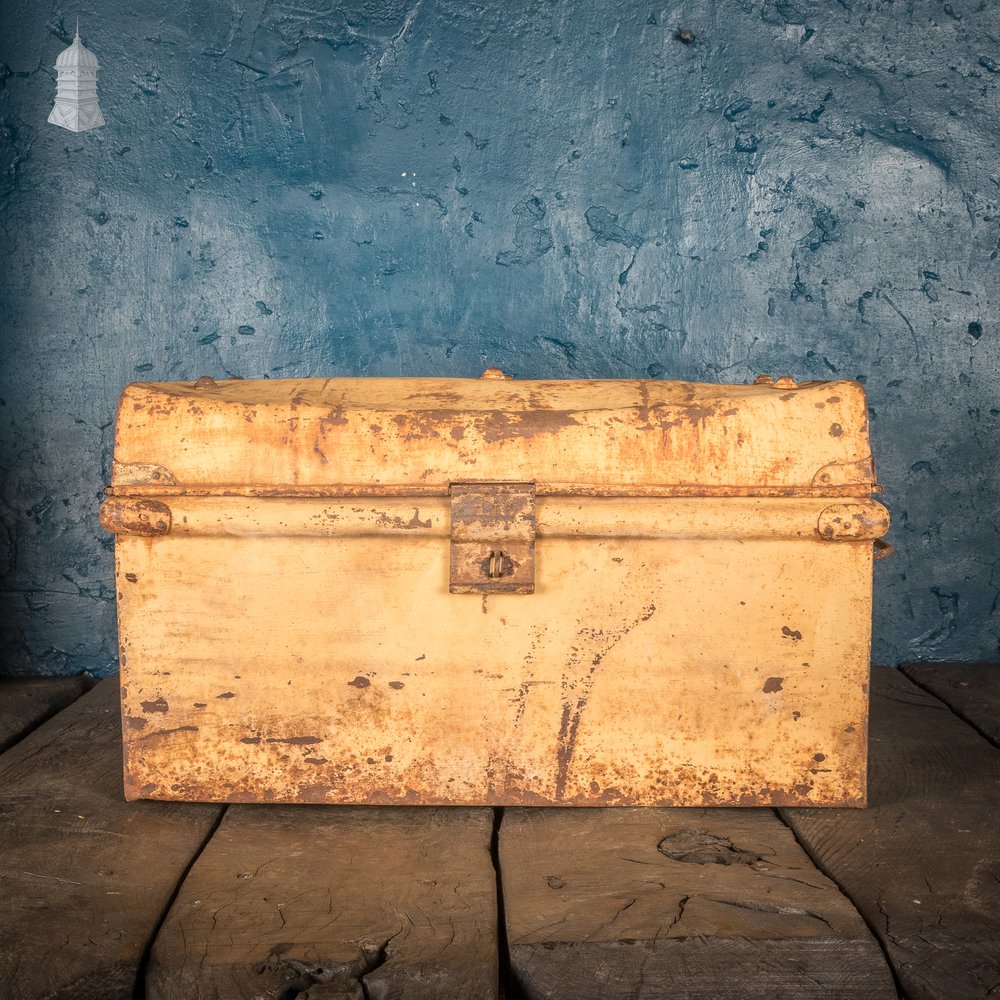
(337, 902)
(685, 903)
(922, 863)
(27, 702)
(107, 899)
(85, 877)
(971, 690)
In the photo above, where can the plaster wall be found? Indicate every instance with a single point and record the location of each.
(706, 191)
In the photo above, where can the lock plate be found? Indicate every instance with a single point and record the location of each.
(492, 538)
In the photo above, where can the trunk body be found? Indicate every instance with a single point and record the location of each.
(494, 592)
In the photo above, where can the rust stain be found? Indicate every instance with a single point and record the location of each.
(159, 705)
(442, 396)
(790, 633)
(772, 684)
(397, 685)
(836, 430)
(226, 694)
(359, 682)
(384, 520)
(135, 516)
(493, 426)
(133, 722)
(335, 418)
(498, 426)
(581, 686)
(250, 739)
(131, 577)
(296, 741)
(697, 414)
(822, 487)
(168, 732)
(333, 785)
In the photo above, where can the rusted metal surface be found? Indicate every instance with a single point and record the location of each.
(883, 549)
(853, 520)
(845, 473)
(149, 475)
(542, 489)
(432, 432)
(735, 518)
(685, 642)
(146, 517)
(492, 538)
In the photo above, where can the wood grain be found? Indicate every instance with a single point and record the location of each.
(685, 903)
(321, 900)
(26, 702)
(970, 689)
(85, 877)
(923, 862)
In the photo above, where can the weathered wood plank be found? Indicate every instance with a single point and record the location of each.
(84, 876)
(923, 862)
(317, 899)
(970, 689)
(26, 702)
(678, 903)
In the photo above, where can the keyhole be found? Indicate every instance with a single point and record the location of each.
(496, 566)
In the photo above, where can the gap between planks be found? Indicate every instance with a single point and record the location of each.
(970, 690)
(84, 875)
(28, 702)
(931, 817)
(872, 929)
(690, 903)
(335, 901)
(143, 967)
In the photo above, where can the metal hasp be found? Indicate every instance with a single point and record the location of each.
(492, 538)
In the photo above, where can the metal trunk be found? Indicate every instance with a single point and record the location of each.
(494, 591)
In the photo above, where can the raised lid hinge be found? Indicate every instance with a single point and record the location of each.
(492, 538)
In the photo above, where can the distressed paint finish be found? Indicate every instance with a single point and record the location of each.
(398, 433)
(294, 647)
(702, 191)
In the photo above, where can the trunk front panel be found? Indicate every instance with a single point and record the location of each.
(673, 652)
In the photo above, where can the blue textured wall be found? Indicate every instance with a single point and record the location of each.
(707, 190)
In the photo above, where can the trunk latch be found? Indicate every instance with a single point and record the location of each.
(492, 538)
